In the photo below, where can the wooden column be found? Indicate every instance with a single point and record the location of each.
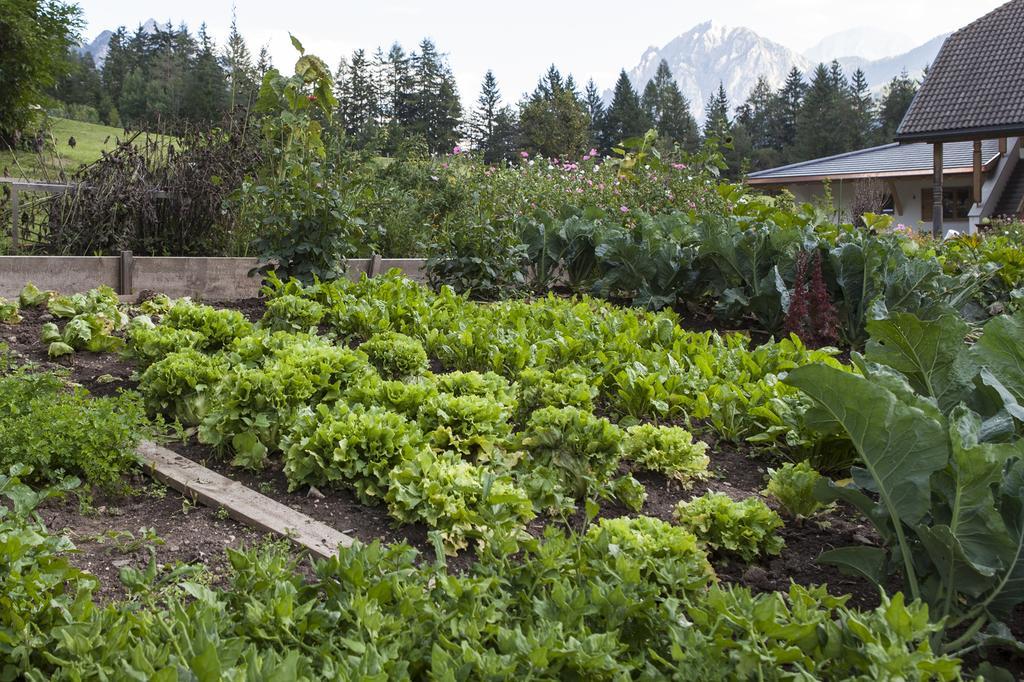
(1002, 146)
(977, 172)
(937, 192)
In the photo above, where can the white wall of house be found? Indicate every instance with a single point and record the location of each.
(909, 190)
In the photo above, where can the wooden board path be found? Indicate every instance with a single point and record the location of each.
(241, 502)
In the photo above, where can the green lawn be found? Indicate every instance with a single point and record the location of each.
(90, 140)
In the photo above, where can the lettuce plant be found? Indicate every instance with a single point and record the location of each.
(292, 313)
(337, 446)
(565, 387)
(9, 311)
(468, 424)
(220, 327)
(179, 385)
(746, 529)
(148, 344)
(793, 486)
(395, 355)
(667, 449)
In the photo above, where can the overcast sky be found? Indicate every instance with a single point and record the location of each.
(518, 39)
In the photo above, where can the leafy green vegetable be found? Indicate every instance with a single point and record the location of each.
(395, 355)
(793, 486)
(32, 297)
(746, 529)
(469, 424)
(179, 385)
(292, 313)
(667, 449)
(9, 311)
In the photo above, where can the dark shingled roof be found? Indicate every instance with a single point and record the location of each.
(976, 85)
(890, 160)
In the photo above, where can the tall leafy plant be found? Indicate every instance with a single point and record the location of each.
(303, 212)
(937, 427)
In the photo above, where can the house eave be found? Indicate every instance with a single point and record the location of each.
(963, 134)
(890, 175)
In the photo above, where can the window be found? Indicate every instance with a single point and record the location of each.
(956, 203)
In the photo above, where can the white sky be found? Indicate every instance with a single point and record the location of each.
(519, 39)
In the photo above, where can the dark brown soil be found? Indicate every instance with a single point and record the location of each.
(110, 533)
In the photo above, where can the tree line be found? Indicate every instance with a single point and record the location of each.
(168, 77)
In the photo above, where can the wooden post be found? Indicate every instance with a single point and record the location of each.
(977, 172)
(937, 191)
(127, 265)
(15, 217)
(1002, 146)
(375, 265)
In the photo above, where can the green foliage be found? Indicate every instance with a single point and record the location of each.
(468, 424)
(32, 297)
(353, 448)
(61, 432)
(936, 426)
(179, 385)
(396, 396)
(566, 387)
(148, 344)
(793, 486)
(219, 327)
(667, 449)
(745, 529)
(292, 313)
(395, 355)
(9, 311)
(462, 500)
(579, 451)
(38, 35)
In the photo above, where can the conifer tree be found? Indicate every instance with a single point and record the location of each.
(205, 88)
(484, 119)
(668, 110)
(241, 74)
(359, 100)
(823, 124)
(553, 121)
(625, 117)
(791, 98)
(595, 110)
(716, 115)
(896, 99)
(438, 111)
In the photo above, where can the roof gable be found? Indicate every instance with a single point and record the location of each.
(976, 85)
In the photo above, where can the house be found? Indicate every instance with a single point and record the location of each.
(959, 146)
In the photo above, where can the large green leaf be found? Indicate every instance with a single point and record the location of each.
(931, 354)
(1001, 351)
(1009, 592)
(900, 445)
(868, 562)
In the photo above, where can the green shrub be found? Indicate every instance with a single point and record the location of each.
(396, 356)
(337, 446)
(292, 313)
(60, 431)
(460, 499)
(667, 449)
(793, 486)
(179, 385)
(746, 529)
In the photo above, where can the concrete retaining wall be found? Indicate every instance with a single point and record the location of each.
(202, 278)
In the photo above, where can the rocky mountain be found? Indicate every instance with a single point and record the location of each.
(101, 44)
(864, 42)
(710, 53)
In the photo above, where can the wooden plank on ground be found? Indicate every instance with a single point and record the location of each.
(242, 503)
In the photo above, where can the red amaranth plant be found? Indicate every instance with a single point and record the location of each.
(812, 315)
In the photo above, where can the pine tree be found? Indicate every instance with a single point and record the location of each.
(398, 86)
(359, 100)
(263, 64)
(863, 109)
(668, 110)
(484, 120)
(438, 111)
(554, 122)
(625, 117)
(595, 110)
(896, 99)
(206, 91)
(757, 125)
(241, 75)
(716, 116)
(790, 101)
(824, 120)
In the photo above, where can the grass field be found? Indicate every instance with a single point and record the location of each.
(90, 140)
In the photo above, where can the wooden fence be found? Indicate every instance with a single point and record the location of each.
(210, 279)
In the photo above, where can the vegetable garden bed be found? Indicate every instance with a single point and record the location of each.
(387, 411)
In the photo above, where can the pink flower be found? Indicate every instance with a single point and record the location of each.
(593, 152)
(525, 155)
(624, 209)
(679, 166)
(457, 150)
